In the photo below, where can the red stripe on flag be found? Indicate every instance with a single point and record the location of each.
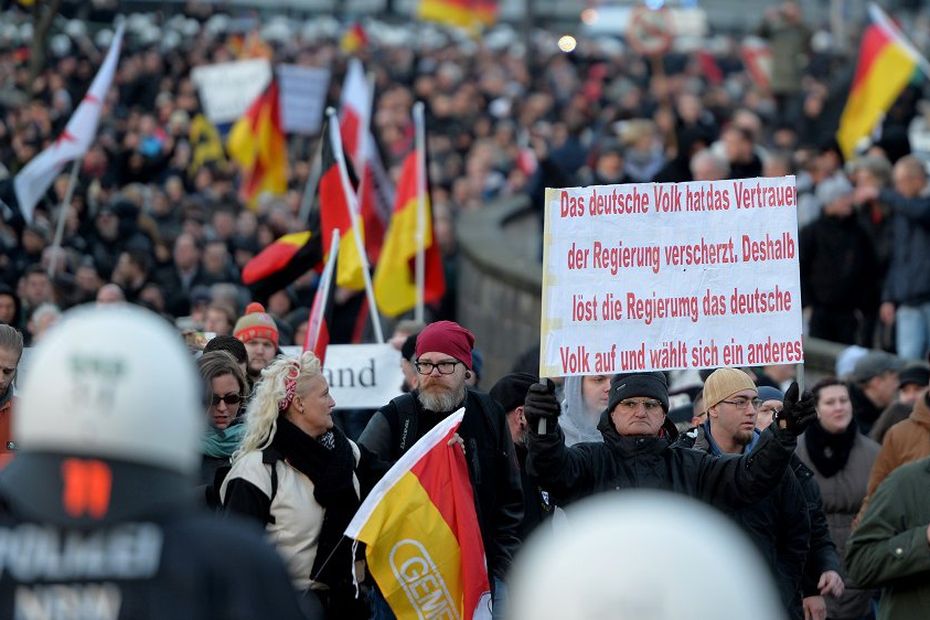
(454, 499)
(874, 40)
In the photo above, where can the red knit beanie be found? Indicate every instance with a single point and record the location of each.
(256, 323)
(447, 337)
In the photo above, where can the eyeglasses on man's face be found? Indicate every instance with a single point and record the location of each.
(445, 368)
(743, 403)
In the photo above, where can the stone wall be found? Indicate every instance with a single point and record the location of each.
(500, 279)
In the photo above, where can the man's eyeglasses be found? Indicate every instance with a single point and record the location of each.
(444, 368)
(229, 399)
(742, 403)
(631, 404)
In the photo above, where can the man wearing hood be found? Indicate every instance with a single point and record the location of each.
(638, 450)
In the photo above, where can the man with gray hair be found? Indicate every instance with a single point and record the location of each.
(708, 166)
(11, 351)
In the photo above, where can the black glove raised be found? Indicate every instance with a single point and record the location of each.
(798, 411)
(541, 404)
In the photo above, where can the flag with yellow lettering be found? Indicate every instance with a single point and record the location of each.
(424, 547)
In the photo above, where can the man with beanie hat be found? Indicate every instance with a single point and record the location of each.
(443, 361)
(510, 392)
(639, 448)
(779, 523)
(259, 333)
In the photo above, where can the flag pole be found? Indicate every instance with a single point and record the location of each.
(313, 180)
(352, 204)
(419, 126)
(62, 215)
(325, 279)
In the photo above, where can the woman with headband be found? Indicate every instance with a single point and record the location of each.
(295, 473)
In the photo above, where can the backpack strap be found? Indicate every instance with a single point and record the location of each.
(270, 456)
(405, 406)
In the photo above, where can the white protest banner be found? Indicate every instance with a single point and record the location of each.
(303, 97)
(228, 88)
(360, 376)
(670, 276)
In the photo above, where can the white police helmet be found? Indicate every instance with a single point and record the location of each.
(112, 382)
(642, 555)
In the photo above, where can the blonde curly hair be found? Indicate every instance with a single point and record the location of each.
(269, 394)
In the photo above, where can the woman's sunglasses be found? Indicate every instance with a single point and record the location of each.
(229, 399)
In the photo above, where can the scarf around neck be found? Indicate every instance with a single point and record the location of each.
(830, 452)
(222, 443)
(329, 463)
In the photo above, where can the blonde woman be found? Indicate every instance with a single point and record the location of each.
(295, 473)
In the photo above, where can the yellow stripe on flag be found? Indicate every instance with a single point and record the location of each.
(889, 74)
(420, 572)
(349, 272)
(394, 282)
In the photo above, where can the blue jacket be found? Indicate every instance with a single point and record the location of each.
(908, 279)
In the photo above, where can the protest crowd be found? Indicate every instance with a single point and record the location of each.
(152, 282)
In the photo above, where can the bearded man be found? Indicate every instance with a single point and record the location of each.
(443, 361)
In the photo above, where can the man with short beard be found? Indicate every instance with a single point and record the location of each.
(779, 524)
(443, 361)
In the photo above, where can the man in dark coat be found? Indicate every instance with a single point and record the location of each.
(105, 522)
(638, 451)
(444, 361)
(510, 393)
(890, 546)
(779, 524)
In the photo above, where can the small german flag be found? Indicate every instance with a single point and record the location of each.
(282, 262)
(354, 39)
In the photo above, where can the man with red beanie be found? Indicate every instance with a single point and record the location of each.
(443, 361)
(259, 333)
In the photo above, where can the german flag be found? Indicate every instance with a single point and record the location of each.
(321, 312)
(470, 15)
(256, 142)
(394, 283)
(887, 63)
(282, 262)
(354, 39)
(334, 212)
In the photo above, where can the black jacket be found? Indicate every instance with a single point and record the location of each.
(779, 526)
(837, 263)
(489, 451)
(654, 463)
(822, 555)
(149, 552)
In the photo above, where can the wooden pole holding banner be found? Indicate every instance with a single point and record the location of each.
(62, 215)
(352, 205)
(419, 125)
(313, 180)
